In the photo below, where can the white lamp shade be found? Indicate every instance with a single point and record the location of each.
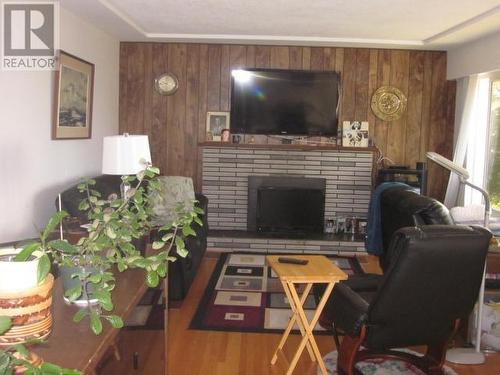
(123, 154)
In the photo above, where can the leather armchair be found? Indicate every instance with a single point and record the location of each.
(401, 208)
(71, 197)
(431, 283)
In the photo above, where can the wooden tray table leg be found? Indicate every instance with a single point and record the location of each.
(292, 321)
(308, 327)
(295, 308)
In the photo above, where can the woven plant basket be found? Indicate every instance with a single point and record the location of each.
(30, 312)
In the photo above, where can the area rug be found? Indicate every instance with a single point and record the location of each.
(379, 366)
(245, 295)
(149, 312)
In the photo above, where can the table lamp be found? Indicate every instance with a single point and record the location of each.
(125, 155)
(467, 356)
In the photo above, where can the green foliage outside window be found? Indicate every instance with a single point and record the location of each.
(493, 183)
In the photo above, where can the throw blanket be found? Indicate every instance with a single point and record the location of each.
(175, 197)
(373, 242)
(474, 215)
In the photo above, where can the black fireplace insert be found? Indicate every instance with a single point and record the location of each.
(286, 204)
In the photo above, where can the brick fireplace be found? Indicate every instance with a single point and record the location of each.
(226, 169)
(347, 176)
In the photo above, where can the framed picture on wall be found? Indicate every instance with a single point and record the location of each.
(355, 134)
(74, 89)
(216, 123)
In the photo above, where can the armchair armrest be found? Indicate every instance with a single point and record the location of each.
(366, 282)
(202, 201)
(203, 204)
(349, 310)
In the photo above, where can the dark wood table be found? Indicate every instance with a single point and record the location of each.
(73, 345)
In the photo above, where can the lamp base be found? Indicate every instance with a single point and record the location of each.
(465, 356)
(124, 188)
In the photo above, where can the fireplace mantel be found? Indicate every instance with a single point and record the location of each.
(303, 147)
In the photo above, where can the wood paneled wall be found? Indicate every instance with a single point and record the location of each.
(176, 123)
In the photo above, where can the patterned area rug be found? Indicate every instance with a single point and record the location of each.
(244, 295)
(379, 366)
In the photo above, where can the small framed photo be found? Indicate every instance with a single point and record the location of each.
(217, 122)
(362, 226)
(355, 134)
(74, 89)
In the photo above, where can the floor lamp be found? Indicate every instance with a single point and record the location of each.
(467, 356)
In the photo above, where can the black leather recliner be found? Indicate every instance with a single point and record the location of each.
(431, 283)
(401, 208)
(181, 272)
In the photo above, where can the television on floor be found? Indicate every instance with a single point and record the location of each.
(284, 102)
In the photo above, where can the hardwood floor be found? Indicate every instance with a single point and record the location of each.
(226, 353)
(192, 352)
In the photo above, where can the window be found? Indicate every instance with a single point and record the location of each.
(477, 146)
(493, 171)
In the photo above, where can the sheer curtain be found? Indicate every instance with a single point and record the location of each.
(464, 118)
(477, 150)
(470, 143)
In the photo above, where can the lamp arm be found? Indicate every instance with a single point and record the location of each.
(487, 204)
(463, 175)
(487, 212)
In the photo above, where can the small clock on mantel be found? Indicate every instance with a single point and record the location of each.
(166, 84)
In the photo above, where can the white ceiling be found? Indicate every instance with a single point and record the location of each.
(422, 24)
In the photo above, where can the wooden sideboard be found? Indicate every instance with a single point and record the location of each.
(73, 345)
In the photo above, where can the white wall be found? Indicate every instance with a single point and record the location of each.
(33, 168)
(479, 56)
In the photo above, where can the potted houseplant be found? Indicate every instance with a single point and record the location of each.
(25, 301)
(17, 359)
(16, 275)
(26, 267)
(114, 222)
(25, 294)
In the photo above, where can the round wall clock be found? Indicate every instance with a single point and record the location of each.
(166, 84)
(388, 103)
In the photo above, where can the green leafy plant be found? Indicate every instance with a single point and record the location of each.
(114, 222)
(17, 356)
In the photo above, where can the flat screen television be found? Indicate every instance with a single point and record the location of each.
(287, 102)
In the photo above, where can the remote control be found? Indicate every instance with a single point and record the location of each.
(302, 262)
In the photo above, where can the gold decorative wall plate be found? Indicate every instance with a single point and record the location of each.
(388, 103)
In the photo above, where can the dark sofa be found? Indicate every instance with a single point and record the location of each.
(181, 272)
